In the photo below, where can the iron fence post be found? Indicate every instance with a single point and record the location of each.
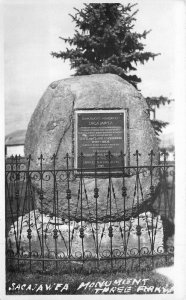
(124, 194)
(138, 227)
(55, 231)
(81, 196)
(68, 196)
(17, 204)
(29, 231)
(41, 198)
(110, 229)
(96, 195)
(151, 154)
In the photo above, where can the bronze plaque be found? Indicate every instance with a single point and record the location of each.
(100, 131)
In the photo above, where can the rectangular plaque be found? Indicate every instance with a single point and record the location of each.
(101, 131)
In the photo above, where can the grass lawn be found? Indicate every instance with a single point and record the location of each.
(95, 282)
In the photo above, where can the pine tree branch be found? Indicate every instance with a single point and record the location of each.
(158, 126)
(157, 101)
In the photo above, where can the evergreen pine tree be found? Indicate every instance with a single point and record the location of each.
(153, 103)
(105, 42)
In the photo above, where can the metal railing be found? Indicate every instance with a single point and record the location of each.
(54, 221)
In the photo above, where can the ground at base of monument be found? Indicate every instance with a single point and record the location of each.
(147, 282)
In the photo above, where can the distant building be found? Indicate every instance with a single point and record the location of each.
(167, 143)
(14, 143)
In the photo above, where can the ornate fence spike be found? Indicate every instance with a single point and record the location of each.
(41, 157)
(67, 156)
(96, 160)
(81, 157)
(165, 154)
(109, 156)
(122, 156)
(151, 153)
(54, 157)
(137, 154)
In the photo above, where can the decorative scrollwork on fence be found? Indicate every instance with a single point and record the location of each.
(122, 234)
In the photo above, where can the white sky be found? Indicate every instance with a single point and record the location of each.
(31, 31)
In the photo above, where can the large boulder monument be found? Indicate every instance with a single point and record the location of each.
(85, 115)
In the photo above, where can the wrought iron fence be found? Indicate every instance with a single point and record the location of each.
(52, 223)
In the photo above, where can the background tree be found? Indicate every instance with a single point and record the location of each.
(105, 42)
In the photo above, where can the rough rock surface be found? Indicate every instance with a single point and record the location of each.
(51, 130)
(63, 227)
